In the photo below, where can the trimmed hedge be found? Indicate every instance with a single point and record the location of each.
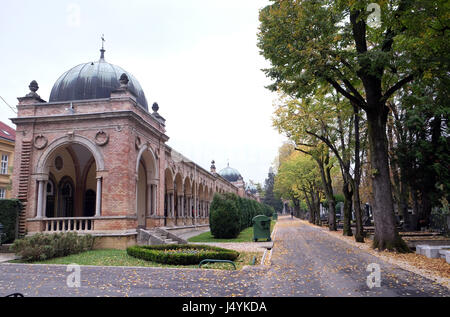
(42, 246)
(223, 221)
(224, 217)
(188, 254)
(9, 214)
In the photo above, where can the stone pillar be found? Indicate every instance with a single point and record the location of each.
(44, 203)
(148, 200)
(40, 198)
(182, 205)
(98, 200)
(172, 204)
(155, 199)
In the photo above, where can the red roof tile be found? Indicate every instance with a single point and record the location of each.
(6, 132)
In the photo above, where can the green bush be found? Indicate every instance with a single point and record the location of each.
(42, 246)
(181, 254)
(224, 217)
(268, 210)
(222, 223)
(9, 214)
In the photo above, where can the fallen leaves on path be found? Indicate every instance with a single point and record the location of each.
(437, 270)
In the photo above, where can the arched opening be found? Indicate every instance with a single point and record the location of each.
(66, 192)
(187, 198)
(169, 193)
(179, 196)
(146, 185)
(141, 194)
(68, 187)
(200, 202)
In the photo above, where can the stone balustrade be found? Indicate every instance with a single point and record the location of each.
(78, 224)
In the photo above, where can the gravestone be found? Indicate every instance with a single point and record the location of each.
(367, 220)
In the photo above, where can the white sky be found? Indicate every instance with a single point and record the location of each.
(197, 58)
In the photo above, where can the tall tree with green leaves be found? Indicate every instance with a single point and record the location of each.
(269, 196)
(326, 42)
(298, 180)
(331, 120)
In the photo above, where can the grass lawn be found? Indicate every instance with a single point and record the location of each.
(112, 257)
(246, 235)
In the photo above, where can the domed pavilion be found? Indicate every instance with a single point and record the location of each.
(94, 159)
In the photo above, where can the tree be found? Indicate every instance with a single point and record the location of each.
(269, 197)
(419, 148)
(333, 121)
(316, 43)
(298, 180)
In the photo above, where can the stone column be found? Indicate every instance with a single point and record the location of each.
(98, 198)
(172, 205)
(44, 204)
(40, 198)
(182, 205)
(154, 200)
(148, 200)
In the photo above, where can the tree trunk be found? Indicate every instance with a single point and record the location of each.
(310, 207)
(359, 230)
(386, 235)
(296, 207)
(328, 189)
(347, 210)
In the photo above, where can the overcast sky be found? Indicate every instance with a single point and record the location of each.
(197, 58)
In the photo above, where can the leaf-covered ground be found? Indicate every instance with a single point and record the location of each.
(310, 261)
(305, 261)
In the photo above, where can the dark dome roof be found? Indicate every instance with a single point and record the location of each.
(94, 80)
(252, 188)
(230, 174)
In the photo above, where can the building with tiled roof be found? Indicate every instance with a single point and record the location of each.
(7, 141)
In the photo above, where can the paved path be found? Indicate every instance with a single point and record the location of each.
(305, 262)
(309, 262)
(5, 257)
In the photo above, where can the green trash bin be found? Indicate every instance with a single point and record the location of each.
(261, 227)
(275, 216)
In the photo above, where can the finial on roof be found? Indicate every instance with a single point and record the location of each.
(33, 86)
(123, 80)
(102, 50)
(155, 107)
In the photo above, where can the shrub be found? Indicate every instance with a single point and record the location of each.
(181, 254)
(268, 210)
(9, 213)
(224, 218)
(42, 246)
(222, 223)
